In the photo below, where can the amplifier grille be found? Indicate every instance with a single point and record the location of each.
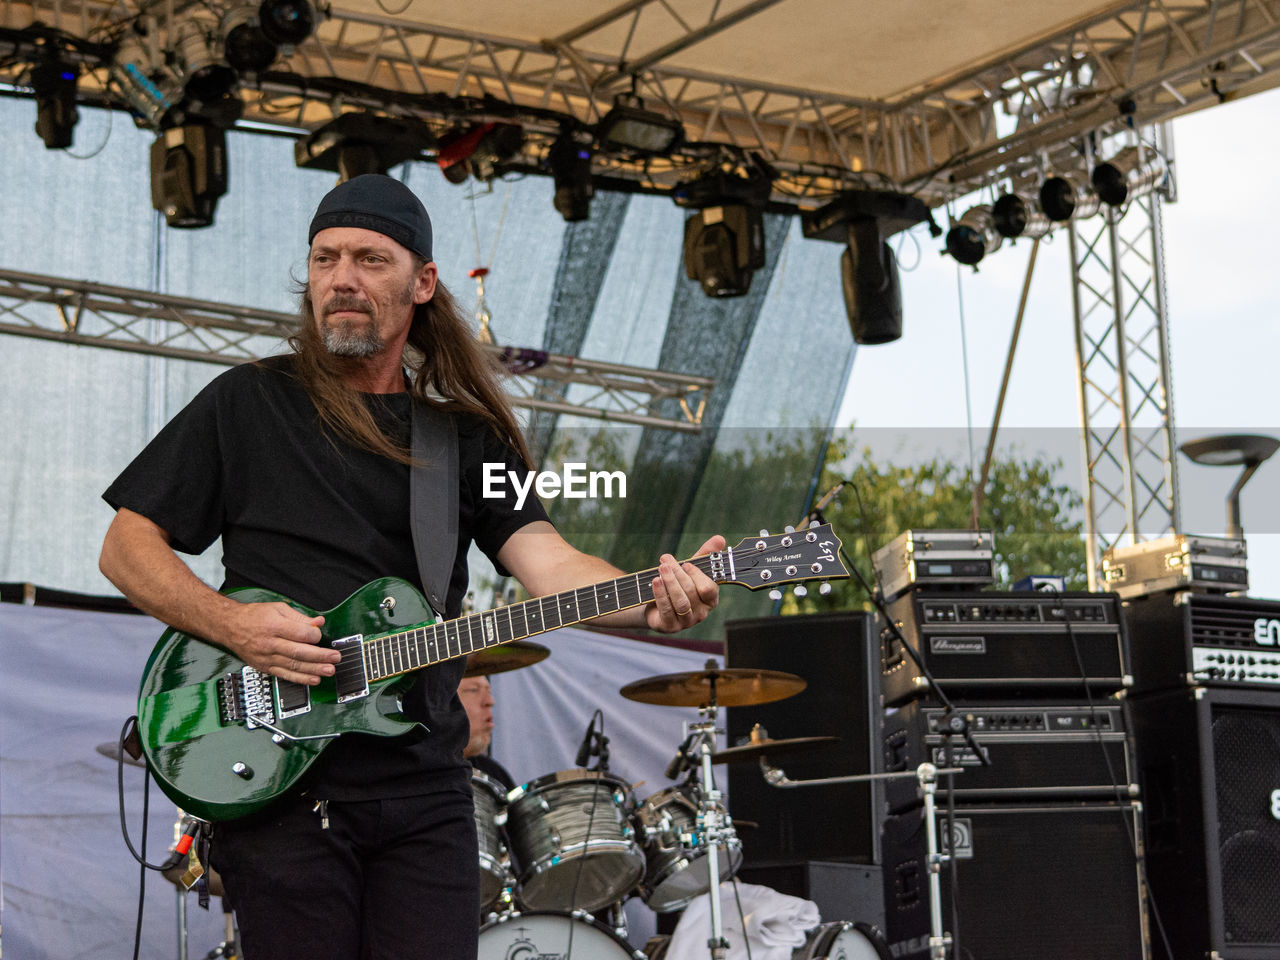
(1218, 624)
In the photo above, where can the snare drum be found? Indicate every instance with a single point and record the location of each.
(572, 840)
(676, 868)
(530, 936)
(842, 941)
(491, 813)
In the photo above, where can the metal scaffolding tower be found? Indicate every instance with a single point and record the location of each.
(1122, 358)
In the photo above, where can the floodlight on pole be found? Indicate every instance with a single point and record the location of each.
(1248, 450)
(286, 22)
(206, 76)
(724, 239)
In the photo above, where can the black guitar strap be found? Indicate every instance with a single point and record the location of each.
(433, 500)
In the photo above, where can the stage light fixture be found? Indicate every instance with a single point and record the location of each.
(356, 143)
(188, 173)
(142, 75)
(869, 280)
(1064, 197)
(631, 128)
(863, 220)
(723, 247)
(1014, 215)
(286, 22)
(207, 78)
(478, 150)
(246, 48)
(1127, 176)
(570, 162)
(973, 236)
(54, 82)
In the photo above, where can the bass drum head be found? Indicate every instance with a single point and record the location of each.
(546, 936)
(842, 940)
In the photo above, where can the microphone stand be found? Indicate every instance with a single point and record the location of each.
(953, 723)
(927, 775)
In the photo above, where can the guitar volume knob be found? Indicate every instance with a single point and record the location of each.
(242, 770)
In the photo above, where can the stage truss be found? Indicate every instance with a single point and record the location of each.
(118, 318)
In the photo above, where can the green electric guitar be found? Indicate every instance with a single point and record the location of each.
(224, 739)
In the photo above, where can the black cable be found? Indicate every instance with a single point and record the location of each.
(142, 861)
(1139, 855)
(124, 828)
(746, 940)
(586, 840)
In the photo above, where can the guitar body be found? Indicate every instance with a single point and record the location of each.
(218, 766)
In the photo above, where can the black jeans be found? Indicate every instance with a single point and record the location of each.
(388, 880)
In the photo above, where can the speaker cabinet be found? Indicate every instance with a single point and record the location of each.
(1209, 767)
(833, 654)
(1050, 882)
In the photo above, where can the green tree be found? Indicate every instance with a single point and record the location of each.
(1033, 516)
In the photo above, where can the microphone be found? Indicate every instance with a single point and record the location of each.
(827, 497)
(680, 760)
(584, 751)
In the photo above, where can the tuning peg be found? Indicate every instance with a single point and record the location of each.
(775, 594)
(788, 529)
(801, 590)
(764, 533)
(824, 588)
(814, 523)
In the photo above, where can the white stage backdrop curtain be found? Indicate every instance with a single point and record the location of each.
(68, 679)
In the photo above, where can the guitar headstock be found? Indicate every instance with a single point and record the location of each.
(772, 560)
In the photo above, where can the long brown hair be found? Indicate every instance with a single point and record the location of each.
(443, 358)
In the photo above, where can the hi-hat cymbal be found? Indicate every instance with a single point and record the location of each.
(112, 750)
(732, 686)
(760, 748)
(509, 656)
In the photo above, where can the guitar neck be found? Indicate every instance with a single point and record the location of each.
(397, 653)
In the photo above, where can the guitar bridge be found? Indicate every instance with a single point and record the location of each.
(245, 697)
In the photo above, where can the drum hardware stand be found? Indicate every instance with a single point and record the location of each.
(702, 742)
(927, 774)
(618, 919)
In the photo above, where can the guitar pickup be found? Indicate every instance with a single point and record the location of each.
(350, 681)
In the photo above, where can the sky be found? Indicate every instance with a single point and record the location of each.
(1223, 290)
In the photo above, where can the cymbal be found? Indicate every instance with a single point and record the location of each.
(111, 750)
(733, 686)
(509, 656)
(760, 748)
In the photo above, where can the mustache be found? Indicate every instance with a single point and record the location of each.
(344, 302)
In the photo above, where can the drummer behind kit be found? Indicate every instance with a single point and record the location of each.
(577, 841)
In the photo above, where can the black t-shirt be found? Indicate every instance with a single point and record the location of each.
(307, 515)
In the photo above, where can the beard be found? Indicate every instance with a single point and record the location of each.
(344, 338)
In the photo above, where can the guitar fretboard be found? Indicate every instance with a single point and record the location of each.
(420, 647)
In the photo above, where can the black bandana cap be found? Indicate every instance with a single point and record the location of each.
(380, 203)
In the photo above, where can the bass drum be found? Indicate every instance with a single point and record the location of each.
(843, 941)
(551, 936)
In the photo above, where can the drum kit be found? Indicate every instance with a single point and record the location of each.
(577, 842)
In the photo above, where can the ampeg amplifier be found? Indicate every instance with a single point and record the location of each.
(1034, 751)
(996, 644)
(1177, 562)
(1194, 639)
(960, 558)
